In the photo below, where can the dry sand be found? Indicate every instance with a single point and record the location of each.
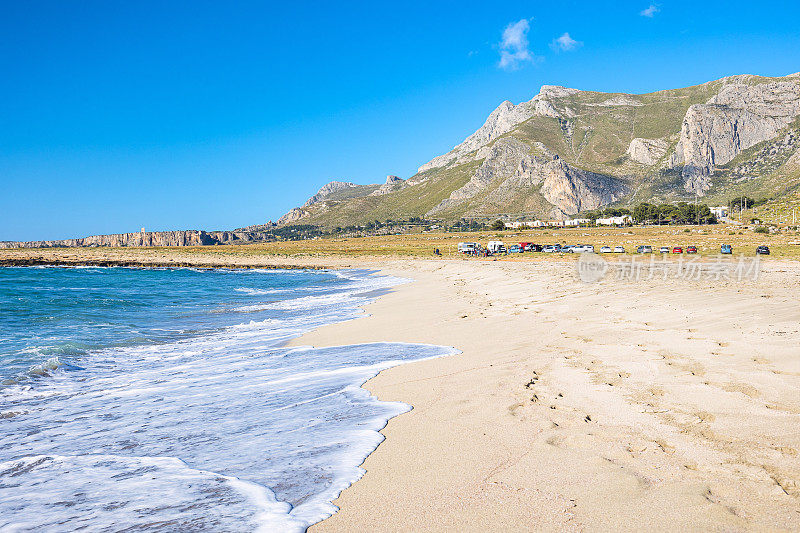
(619, 405)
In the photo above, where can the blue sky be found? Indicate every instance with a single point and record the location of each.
(214, 115)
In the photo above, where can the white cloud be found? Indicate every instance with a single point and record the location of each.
(650, 11)
(565, 43)
(514, 46)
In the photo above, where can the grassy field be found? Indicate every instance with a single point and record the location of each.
(707, 239)
(314, 252)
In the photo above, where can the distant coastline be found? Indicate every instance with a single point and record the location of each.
(31, 262)
(150, 238)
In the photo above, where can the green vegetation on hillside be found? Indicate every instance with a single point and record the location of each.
(593, 134)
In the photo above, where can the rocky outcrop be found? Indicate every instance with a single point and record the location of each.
(572, 190)
(149, 238)
(647, 151)
(335, 191)
(503, 166)
(738, 117)
(294, 214)
(297, 213)
(392, 183)
(504, 119)
(328, 189)
(510, 168)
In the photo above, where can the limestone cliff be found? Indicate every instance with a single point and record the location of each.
(511, 169)
(149, 238)
(647, 151)
(504, 119)
(738, 117)
(569, 150)
(392, 184)
(327, 190)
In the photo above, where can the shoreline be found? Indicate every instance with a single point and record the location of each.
(658, 435)
(54, 262)
(672, 401)
(138, 264)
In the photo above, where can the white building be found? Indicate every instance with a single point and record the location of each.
(576, 221)
(721, 211)
(525, 224)
(614, 221)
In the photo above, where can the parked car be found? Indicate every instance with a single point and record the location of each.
(605, 249)
(619, 250)
(691, 250)
(584, 248)
(725, 249)
(567, 249)
(677, 250)
(664, 249)
(762, 250)
(496, 247)
(515, 249)
(549, 249)
(644, 249)
(469, 247)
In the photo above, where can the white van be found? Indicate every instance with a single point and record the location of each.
(496, 247)
(469, 247)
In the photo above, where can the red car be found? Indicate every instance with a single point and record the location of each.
(691, 250)
(677, 250)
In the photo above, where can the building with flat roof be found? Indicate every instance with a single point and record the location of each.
(721, 211)
(614, 221)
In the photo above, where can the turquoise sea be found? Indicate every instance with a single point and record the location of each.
(166, 399)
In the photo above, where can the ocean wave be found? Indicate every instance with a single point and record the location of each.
(45, 369)
(261, 292)
(224, 429)
(161, 488)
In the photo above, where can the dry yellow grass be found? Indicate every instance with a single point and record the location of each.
(328, 251)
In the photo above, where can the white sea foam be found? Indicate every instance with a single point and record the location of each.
(262, 292)
(226, 432)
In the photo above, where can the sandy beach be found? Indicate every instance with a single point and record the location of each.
(661, 404)
(617, 405)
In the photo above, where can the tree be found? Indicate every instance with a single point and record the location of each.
(666, 213)
(645, 212)
(498, 224)
(740, 203)
(704, 215)
(684, 213)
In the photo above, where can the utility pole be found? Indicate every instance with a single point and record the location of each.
(741, 211)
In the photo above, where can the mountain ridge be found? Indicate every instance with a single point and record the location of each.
(568, 150)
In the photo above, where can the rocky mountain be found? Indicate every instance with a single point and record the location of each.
(569, 150)
(149, 238)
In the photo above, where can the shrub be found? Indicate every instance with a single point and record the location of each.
(761, 229)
